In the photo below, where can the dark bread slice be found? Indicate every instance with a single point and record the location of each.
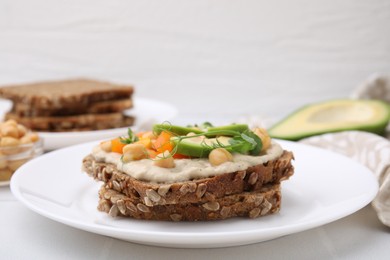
(102, 107)
(193, 191)
(74, 123)
(253, 204)
(65, 93)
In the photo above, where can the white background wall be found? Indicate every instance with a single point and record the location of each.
(201, 55)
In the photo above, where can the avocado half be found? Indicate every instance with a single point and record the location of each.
(333, 116)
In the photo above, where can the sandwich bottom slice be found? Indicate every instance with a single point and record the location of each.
(85, 122)
(110, 106)
(264, 201)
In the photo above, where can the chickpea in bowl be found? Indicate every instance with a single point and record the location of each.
(17, 146)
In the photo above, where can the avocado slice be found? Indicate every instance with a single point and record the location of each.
(224, 130)
(333, 116)
(179, 130)
(199, 146)
(215, 131)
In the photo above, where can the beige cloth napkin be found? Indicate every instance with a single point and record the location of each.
(377, 86)
(371, 150)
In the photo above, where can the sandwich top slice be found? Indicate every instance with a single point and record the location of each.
(65, 93)
(174, 165)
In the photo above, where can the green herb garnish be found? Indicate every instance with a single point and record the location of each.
(131, 137)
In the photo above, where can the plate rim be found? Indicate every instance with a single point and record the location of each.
(181, 239)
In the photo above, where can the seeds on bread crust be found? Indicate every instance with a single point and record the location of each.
(163, 189)
(200, 191)
(114, 211)
(130, 206)
(153, 195)
(148, 202)
(104, 205)
(254, 213)
(184, 189)
(143, 208)
(240, 175)
(212, 206)
(176, 217)
(225, 212)
(266, 205)
(121, 206)
(253, 178)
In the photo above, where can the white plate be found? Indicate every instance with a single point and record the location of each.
(326, 186)
(146, 112)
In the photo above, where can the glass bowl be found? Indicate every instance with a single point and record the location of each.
(12, 157)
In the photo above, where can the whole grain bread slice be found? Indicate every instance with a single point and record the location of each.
(84, 122)
(102, 107)
(193, 191)
(264, 201)
(65, 93)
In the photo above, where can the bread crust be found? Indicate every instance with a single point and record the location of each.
(193, 191)
(84, 122)
(65, 93)
(262, 202)
(102, 107)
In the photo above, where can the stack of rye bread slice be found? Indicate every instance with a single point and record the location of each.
(69, 105)
(252, 193)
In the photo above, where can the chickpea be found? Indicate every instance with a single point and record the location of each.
(196, 138)
(12, 135)
(22, 130)
(25, 139)
(133, 152)
(219, 156)
(265, 138)
(10, 145)
(9, 130)
(106, 146)
(34, 137)
(164, 160)
(11, 122)
(9, 141)
(29, 138)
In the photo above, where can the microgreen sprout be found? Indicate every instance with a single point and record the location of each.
(131, 137)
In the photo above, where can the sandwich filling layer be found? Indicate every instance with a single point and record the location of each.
(185, 169)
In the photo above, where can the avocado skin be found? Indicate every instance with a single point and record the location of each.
(377, 127)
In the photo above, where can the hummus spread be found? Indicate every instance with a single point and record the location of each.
(185, 169)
